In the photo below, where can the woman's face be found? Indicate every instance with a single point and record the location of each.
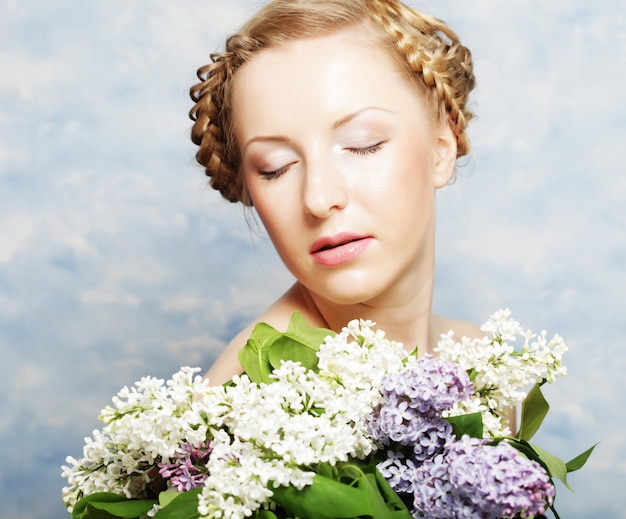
(342, 157)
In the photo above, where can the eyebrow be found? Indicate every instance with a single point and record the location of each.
(337, 124)
(266, 138)
(346, 119)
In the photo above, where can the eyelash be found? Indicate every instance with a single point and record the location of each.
(271, 175)
(369, 150)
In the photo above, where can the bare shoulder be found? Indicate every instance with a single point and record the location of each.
(277, 315)
(459, 327)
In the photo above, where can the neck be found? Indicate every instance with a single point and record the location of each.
(404, 313)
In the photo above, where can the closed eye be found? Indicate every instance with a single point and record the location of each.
(367, 150)
(270, 175)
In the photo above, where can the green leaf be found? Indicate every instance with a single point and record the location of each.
(324, 499)
(525, 448)
(350, 473)
(264, 514)
(300, 330)
(288, 348)
(126, 509)
(326, 470)
(534, 410)
(167, 496)
(81, 505)
(92, 513)
(380, 509)
(266, 347)
(183, 506)
(470, 424)
(556, 467)
(254, 355)
(579, 461)
(391, 496)
(300, 343)
(105, 505)
(350, 490)
(385, 502)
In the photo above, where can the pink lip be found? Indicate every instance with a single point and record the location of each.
(340, 248)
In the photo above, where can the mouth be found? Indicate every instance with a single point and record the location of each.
(329, 247)
(332, 242)
(342, 248)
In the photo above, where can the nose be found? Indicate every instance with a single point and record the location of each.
(325, 188)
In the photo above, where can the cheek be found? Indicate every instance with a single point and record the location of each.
(264, 212)
(284, 235)
(399, 178)
(275, 215)
(260, 197)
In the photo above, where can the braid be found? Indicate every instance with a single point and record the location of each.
(212, 129)
(436, 58)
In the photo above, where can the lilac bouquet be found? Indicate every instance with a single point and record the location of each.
(325, 425)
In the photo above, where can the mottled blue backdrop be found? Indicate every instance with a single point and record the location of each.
(117, 262)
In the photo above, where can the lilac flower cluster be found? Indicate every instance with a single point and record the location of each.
(450, 478)
(410, 418)
(476, 480)
(188, 468)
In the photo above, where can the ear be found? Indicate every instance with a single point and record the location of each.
(445, 155)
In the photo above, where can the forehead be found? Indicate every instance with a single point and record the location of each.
(326, 76)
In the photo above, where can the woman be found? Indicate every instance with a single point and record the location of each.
(338, 120)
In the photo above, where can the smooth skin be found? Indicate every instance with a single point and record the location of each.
(340, 148)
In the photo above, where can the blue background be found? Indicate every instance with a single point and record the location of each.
(116, 261)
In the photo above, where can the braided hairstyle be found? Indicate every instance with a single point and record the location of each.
(428, 49)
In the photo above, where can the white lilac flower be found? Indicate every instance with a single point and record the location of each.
(282, 417)
(148, 423)
(502, 374)
(240, 476)
(359, 356)
(356, 359)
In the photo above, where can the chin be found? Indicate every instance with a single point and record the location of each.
(348, 292)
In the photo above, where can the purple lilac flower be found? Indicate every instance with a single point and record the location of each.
(410, 415)
(428, 387)
(464, 479)
(188, 468)
(398, 471)
(473, 479)
(392, 425)
(413, 401)
(433, 439)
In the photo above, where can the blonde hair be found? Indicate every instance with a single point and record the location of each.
(431, 52)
